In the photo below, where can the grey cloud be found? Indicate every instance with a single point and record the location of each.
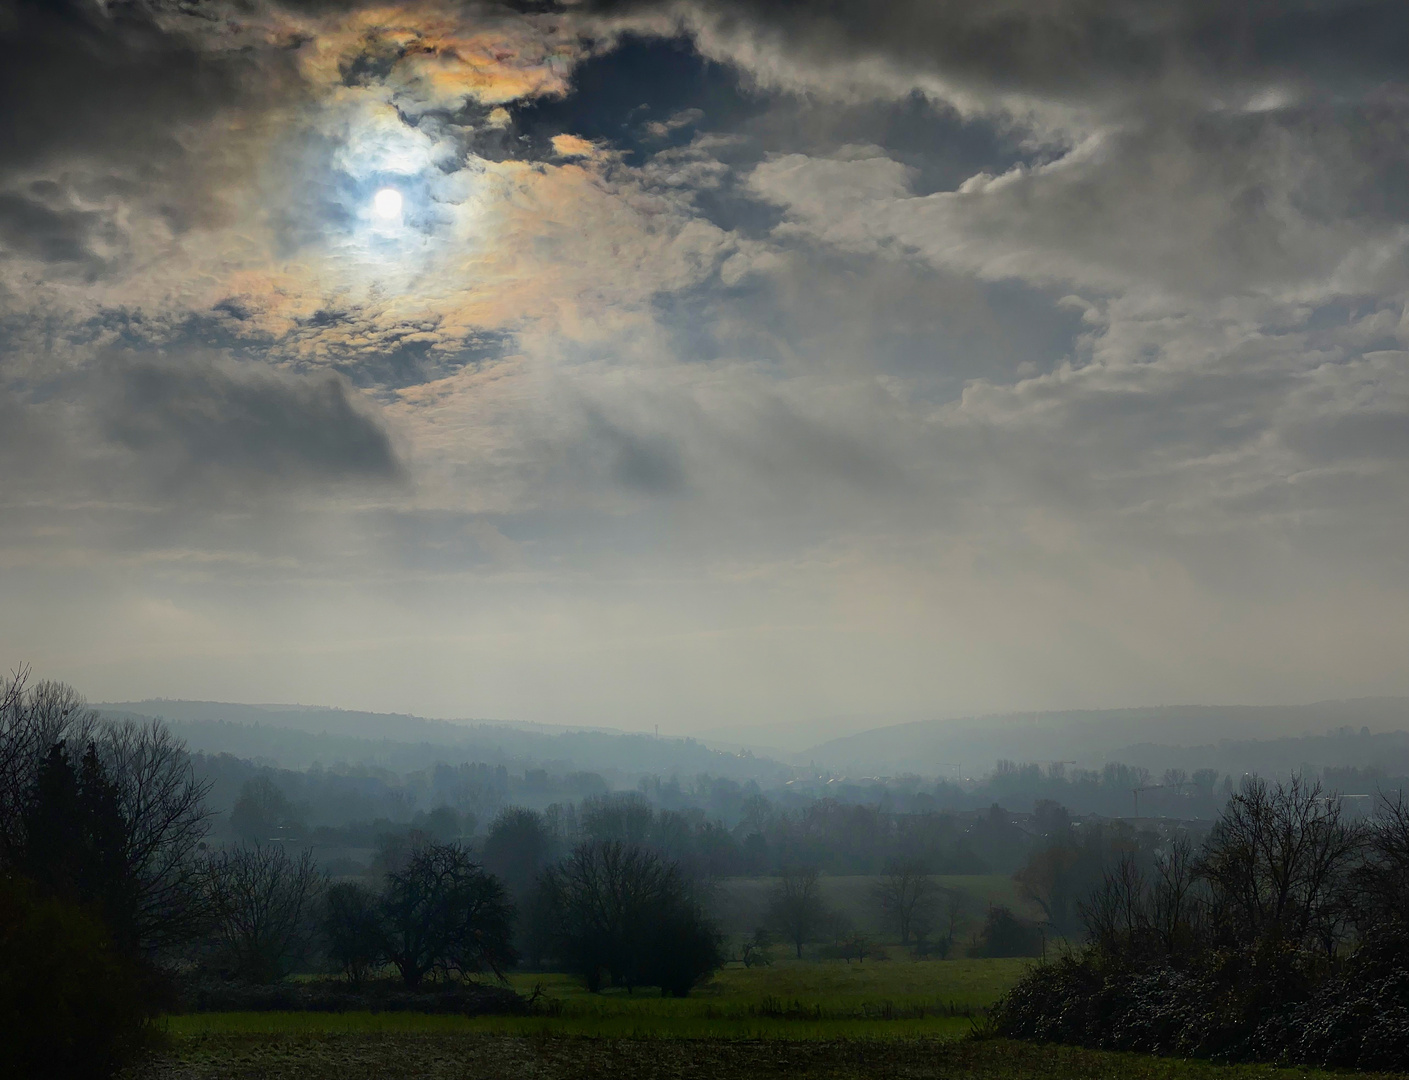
(198, 421)
(645, 463)
(1296, 200)
(1074, 49)
(87, 80)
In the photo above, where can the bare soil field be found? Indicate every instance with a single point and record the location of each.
(400, 1056)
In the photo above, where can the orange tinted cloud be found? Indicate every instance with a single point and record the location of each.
(440, 57)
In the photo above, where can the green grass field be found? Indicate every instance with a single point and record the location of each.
(789, 1000)
(827, 1020)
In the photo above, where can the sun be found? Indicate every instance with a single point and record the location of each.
(386, 204)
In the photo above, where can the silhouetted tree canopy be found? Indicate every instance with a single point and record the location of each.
(624, 914)
(443, 913)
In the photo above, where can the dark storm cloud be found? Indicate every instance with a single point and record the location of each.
(198, 421)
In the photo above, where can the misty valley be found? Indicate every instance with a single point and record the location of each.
(492, 882)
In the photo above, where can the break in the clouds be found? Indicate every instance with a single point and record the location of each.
(713, 362)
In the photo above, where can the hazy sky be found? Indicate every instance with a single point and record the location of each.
(728, 362)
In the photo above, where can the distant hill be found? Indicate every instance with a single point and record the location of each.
(1156, 737)
(295, 736)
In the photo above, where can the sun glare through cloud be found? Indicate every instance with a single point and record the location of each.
(386, 204)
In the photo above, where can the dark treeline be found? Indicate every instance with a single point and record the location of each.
(1282, 936)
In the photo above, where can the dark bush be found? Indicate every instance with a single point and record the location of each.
(71, 1004)
(1360, 1017)
(1244, 952)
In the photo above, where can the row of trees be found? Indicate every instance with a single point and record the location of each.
(1285, 934)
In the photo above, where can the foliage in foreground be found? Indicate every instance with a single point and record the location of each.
(1286, 938)
(71, 1004)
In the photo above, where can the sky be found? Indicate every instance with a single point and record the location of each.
(734, 363)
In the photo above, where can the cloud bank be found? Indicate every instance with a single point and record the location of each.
(727, 362)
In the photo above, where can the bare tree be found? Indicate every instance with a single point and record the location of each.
(953, 914)
(1276, 863)
(907, 896)
(796, 908)
(163, 808)
(1380, 885)
(159, 799)
(602, 898)
(1176, 904)
(1115, 913)
(263, 902)
(33, 719)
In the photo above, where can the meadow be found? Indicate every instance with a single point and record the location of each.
(817, 1019)
(789, 1000)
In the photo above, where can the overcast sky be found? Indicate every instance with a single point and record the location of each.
(748, 361)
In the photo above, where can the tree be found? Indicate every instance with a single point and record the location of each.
(1381, 882)
(73, 840)
(166, 820)
(442, 913)
(627, 913)
(796, 909)
(160, 802)
(352, 929)
(907, 896)
(517, 848)
(954, 913)
(1276, 863)
(262, 810)
(263, 901)
(626, 818)
(754, 951)
(683, 947)
(33, 720)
